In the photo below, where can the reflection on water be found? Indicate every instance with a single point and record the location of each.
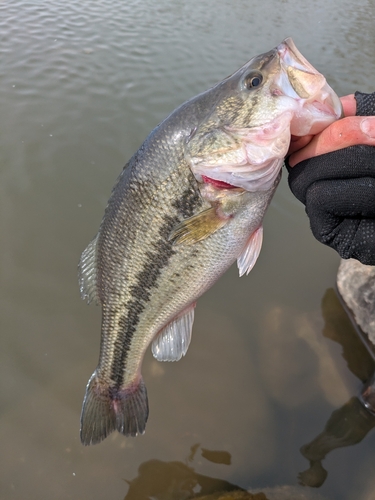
(158, 480)
(177, 480)
(346, 426)
(339, 328)
(351, 423)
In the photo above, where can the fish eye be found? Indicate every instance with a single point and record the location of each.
(253, 80)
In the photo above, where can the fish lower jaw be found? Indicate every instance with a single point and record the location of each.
(316, 114)
(319, 120)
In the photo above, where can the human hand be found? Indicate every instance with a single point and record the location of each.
(334, 176)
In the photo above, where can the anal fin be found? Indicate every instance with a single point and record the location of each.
(173, 341)
(250, 253)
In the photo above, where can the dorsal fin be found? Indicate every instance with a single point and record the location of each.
(250, 253)
(87, 273)
(173, 341)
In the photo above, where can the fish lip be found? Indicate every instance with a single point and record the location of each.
(289, 53)
(320, 99)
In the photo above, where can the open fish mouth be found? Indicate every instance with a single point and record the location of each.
(288, 97)
(319, 105)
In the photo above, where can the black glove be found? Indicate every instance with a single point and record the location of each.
(338, 190)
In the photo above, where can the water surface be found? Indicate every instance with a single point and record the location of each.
(82, 84)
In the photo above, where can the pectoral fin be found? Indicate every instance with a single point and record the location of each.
(173, 342)
(250, 253)
(198, 227)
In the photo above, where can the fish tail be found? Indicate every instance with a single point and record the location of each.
(106, 409)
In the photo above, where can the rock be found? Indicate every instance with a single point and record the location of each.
(356, 285)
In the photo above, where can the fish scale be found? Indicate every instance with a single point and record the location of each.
(180, 214)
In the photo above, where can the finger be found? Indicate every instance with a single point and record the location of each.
(349, 105)
(297, 143)
(349, 131)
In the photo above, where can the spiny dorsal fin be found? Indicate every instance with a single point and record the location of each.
(172, 343)
(87, 273)
(250, 253)
(198, 227)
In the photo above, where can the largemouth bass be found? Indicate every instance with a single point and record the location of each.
(187, 205)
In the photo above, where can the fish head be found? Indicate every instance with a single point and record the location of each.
(245, 134)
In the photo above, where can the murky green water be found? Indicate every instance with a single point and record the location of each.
(82, 83)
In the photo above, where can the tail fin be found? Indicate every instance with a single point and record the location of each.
(106, 409)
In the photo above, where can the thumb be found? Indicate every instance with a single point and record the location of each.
(341, 134)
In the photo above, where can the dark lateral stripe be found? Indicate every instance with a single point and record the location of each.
(186, 205)
(146, 282)
(190, 201)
